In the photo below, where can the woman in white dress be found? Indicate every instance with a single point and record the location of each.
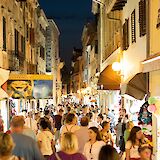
(93, 147)
(133, 143)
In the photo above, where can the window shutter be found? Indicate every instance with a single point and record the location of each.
(16, 35)
(4, 34)
(142, 17)
(126, 35)
(133, 26)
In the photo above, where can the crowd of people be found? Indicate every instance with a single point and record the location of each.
(73, 132)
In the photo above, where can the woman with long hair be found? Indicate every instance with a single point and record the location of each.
(6, 147)
(133, 143)
(108, 152)
(69, 148)
(93, 147)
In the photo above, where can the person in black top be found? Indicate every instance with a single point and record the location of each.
(58, 124)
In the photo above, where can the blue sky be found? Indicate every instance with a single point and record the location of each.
(70, 17)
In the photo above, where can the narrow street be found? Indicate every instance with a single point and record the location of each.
(80, 80)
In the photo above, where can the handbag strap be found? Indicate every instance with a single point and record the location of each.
(57, 156)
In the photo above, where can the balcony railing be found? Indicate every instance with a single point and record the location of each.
(31, 68)
(112, 5)
(112, 45)
(13, 61)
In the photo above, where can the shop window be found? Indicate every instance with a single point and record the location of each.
(126, 34)
(133, 26)
(4, 34)
(142, 17)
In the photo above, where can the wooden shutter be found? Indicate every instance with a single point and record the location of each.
(126, 34)
(142, 17)
(16, 35)
(133, 26)
(4, 34)
(32, 36)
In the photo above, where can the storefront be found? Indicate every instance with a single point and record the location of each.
(152, 66)
(4, 109)
(108, 89)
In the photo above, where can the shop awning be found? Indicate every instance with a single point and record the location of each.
(135, 87)
(152, 63)
(3, 94)
(109, 79)
(4, 75)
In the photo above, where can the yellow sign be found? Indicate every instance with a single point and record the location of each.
(30, 77)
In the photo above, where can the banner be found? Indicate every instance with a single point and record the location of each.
(19, 89)
(43, 89)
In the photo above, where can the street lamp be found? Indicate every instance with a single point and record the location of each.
(116, 66)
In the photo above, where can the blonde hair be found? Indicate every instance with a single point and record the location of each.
(130, 125)
(69, 142)
(6, 144)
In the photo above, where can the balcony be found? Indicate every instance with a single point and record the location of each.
(31, 68)
(112, 45)
(113, 5)
(13, 61)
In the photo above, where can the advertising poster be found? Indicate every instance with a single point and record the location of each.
(42, 89)
(19, 89)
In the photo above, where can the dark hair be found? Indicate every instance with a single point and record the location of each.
(70, 117)
(61, 110)
(104, 124)
(89, 115)
(68, 108)
(108, 152)
(46, 112)
(84, 121)
(92, 106)
(101, 116)
(84, 106)
(95, 130)
(132, 136)
(43, 123)
(119, 119)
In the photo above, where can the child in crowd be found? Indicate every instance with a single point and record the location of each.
(145, 152)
